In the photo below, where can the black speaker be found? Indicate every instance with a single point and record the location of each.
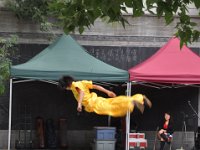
(63, 132)
(50, 134)
(197, 144)
(197, 139)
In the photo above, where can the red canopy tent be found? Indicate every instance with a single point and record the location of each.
(169, 64)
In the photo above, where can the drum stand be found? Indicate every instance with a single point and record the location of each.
(184, 134)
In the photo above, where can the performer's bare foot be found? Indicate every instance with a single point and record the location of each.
(147, 102)
(139, 106)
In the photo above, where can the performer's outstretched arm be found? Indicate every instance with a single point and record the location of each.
(108, 92)
(80, 99)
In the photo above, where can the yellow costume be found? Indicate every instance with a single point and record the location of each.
(116, 107)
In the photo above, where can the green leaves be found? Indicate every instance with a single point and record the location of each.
(32, 10)
(187, 34)
(169, 17)
(6, 52)
(137, 8)
(185, 27)
(171, 8)
(197, 3)
(78, 15)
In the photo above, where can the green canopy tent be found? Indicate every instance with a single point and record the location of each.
(64, 57)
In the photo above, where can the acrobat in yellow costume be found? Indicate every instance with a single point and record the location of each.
(116, 107)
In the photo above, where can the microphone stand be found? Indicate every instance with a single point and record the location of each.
(156, 133)
(183, 131)
(193, 109)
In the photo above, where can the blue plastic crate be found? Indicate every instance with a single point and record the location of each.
(104, 145)
(105, 133)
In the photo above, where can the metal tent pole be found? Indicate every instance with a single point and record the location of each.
(10, 115)
(128, 117)
(109, 121)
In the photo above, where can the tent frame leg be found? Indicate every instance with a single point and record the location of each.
(10, 115)
(128, 117)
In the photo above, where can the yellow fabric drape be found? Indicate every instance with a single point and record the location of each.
(116, 107)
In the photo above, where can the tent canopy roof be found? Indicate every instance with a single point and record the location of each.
(66, 57)
(169, 64)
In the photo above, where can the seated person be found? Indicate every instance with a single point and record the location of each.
(165, 130)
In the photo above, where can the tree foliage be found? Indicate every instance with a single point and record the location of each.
(7, 50)
(82, 13)
(73, 15)
(33, 10)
